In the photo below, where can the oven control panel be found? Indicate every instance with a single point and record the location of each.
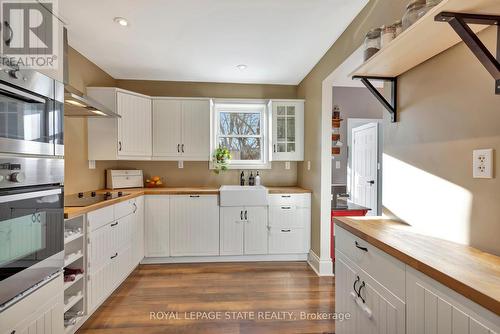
(20, 172)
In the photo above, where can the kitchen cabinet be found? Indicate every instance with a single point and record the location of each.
(181, 129)
(373, 307)
(138, 235)
(194, 225)
(243, 230)
(41, 312)
(111, 249)
(125, 138)
(289, 223)
(287, 130)
(157, 226)
(434, 308)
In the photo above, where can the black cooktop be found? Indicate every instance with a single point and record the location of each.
(90, 198)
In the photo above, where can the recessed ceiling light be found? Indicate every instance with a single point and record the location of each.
(121, 21)
(241, 67)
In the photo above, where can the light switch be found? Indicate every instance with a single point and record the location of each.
(482, 164)
(91, 164)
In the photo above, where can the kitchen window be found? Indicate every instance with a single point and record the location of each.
(242, 129)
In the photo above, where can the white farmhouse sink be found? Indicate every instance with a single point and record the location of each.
(243, 196)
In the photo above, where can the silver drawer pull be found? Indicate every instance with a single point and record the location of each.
(286, 230)
(286, 196)
(286, 208)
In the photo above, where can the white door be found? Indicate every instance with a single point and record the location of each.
(255, 230)
(195, 144)
(364, 167)
(231, 230)
(134, 126)
(194, 225)
(157, 225)
(167, 118)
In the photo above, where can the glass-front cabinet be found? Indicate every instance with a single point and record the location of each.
(288, 130)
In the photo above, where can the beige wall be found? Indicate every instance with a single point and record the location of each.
(448, 108)
(375, 14)
(79, 177)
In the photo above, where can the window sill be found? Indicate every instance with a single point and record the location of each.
(249, 166)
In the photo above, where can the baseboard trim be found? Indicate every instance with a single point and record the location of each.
(236, 258)
(321, 267)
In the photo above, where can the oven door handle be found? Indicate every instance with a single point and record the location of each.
(18, 197)
(20, 95)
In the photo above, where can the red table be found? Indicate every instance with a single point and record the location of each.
(351, 210)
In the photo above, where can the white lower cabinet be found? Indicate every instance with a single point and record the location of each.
(138, 235)
(383, 295)
(157, 225)
(194, 225)
(113, 250)
(243, 230)
(39, 313)
(373, 308)
(434, 308)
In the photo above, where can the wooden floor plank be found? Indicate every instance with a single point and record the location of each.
(285, 290)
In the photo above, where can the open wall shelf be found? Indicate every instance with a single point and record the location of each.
(445, 25)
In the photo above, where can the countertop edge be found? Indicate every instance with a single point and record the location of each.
(461, 288)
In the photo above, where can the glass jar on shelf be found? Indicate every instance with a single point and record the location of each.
(398, 28)
(372, 43)
(414, 11)
(387, 35)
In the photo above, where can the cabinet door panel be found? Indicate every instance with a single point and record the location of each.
(138, 227)
(167, 118)
(194, 225)
(288, 131)
(196, 130)
(256, 232)
(231, 231)
(157, 225)
(434, 308)
(345, 277)
(134, 127)
(285, 240)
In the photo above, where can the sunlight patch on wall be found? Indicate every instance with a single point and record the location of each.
(432, 205)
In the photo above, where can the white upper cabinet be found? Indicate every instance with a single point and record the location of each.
(181, 129)
(287, 130)
(134, 126)
(125, 138)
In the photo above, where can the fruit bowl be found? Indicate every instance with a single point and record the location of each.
(154, 182)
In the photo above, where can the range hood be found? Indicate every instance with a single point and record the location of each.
(77, 104)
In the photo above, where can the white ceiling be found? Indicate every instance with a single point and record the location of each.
(204, 40)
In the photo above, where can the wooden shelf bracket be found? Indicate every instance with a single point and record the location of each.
(391, 106)
(460, 23)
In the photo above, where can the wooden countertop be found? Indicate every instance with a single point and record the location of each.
(469, 271)
(71, 212)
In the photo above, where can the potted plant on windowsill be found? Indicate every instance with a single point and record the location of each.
(221, 158)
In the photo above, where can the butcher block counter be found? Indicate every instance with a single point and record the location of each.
(71, 212)
(466, 270)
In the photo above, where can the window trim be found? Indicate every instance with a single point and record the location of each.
(249, 107)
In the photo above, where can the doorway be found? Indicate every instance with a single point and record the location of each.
(364, 161)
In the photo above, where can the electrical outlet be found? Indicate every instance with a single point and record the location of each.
(91, 164)
(308, 165)
(287, 165)
(337, 164)
(482, 164)
(180, 164)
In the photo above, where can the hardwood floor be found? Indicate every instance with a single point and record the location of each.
(229, 288)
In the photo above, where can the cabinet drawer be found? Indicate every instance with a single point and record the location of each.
(125, 208)
(299, 200)
(287, 240)
(286, 216)
(101, 217)
(387, 270)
